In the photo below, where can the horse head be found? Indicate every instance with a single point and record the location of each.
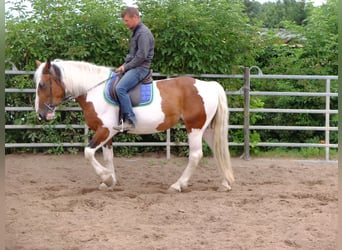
(50, 90)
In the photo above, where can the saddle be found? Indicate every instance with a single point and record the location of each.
(141, 94)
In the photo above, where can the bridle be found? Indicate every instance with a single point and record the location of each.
(50, 106)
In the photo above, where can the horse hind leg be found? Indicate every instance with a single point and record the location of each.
(195, 155)
(209, 137)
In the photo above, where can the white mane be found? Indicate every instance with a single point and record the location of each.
(78, 76)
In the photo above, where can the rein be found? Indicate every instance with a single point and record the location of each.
(70, 97)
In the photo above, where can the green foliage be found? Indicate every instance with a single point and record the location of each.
(272, 14)
(298, 153)
(238, 118)
(198, 36)
(321, 45)
(179, 135)
(309, 49)
(86, 30)
(126, 150)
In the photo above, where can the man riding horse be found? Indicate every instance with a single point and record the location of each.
(136, 66)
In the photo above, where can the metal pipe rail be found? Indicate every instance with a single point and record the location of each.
(244, 91)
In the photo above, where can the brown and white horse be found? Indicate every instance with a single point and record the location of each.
(201, 105)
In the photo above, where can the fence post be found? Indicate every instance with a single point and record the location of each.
(327, 120)
(246, 94)
(168, 144)
(86, 132)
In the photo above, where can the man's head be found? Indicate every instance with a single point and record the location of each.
(130, 16)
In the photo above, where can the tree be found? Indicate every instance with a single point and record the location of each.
(306, 49)
(272, 14)
(321, 45)
(87, 30)
(199, 36)
(253, 10)
(191, 36)
(311, 50)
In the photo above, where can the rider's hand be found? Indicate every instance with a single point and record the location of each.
(120, 69)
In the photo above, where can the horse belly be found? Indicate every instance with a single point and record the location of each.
(149, 116)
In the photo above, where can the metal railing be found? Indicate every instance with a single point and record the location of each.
(245, 91)
(327, 111)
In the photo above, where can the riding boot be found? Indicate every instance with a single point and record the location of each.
(126, 124)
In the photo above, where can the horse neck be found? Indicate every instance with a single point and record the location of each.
(80, 77)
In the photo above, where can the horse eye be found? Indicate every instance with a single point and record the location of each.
(42, 85)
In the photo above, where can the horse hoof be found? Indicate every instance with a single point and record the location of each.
(103, 187)
(224, 189)
(109, 181)
(174, 189)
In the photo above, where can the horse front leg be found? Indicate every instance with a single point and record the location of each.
(108, 157)
(106, 173)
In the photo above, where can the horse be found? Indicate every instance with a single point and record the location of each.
(200, 105)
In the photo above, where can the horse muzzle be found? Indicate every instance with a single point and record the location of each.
(47, 114)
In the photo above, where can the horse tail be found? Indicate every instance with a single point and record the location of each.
(220, 142)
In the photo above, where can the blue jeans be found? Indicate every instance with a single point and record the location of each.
(130, 79)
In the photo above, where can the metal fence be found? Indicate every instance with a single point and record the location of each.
(245, 91)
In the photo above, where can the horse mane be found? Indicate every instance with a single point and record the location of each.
(79, 76)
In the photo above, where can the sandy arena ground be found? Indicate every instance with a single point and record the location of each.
(52, 202)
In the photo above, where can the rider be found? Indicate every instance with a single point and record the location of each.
(136, 66)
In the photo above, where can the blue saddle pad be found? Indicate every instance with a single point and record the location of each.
(145, 97)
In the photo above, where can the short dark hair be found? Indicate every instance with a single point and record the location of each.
(130, 11)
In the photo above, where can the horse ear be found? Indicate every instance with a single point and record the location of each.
(38, 63)
(47, 65)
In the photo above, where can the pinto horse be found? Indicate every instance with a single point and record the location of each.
(200, 105)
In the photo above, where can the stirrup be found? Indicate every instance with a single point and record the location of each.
(124, 126)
